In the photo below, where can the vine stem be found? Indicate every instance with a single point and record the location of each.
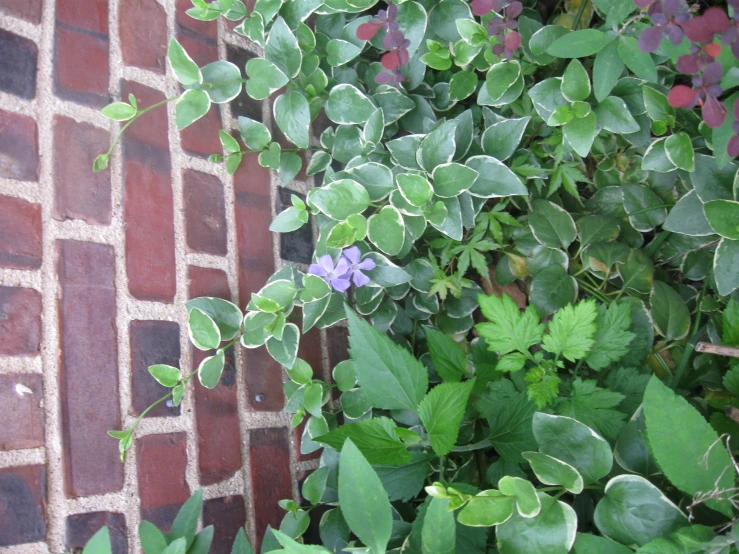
(134, 118)
(580, 11)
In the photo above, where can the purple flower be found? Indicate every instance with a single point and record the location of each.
(337, 276)
(356, 267)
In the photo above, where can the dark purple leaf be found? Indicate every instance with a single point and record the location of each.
(513, 10)
(716, 20)
(733, 148)
(712, 73)
(650, 39)
(681, 96)
(482, 7)
(697, 30)
(714, 112)
(688, 64)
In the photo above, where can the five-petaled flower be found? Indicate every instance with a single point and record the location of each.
(348, 268)
(356, 266)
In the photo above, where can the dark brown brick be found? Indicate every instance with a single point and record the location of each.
(18, 147)
(23, 420)
(30, 10)
(142, 26)
(153, 129)
(269, 459)
(297, 436)
(88, 369)
(227, 515)
(201, 138)
(20, 321)
(162, 461)
(184, 21)
(337, 341)
(81, 66)
(202, 50)
(152, 342)
(81, 528)
(22, 505)
(296, 246)
(149, 217)
(79, 193)
(243, 104)
(91, 15)
(18, 70)
(216, 410)
(263, 380)
(205, 213)
(20, 233)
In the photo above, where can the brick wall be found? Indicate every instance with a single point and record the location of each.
(95, 270)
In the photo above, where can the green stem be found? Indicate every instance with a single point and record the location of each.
(580, 11)
(135, 117)
(442, 461)
(656, 243)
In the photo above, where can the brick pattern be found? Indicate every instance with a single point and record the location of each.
(95, 270)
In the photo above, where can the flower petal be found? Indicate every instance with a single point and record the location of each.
(341, 283)
(352, 254)
(360, 279)
(316, 269)
(326, 262)
(369, 264)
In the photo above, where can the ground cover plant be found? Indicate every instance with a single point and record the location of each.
(528, 220)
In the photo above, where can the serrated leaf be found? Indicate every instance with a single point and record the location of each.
(571, 331)
(509, 414)
(593, 406)
(375, 438)
(447, 356)
(612, 338)
(508, 329)
(441, 412)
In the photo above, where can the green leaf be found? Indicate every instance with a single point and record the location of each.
(655, 158)
(613, 115)
(572, 442)
(447, 356)
(679, 150)
(594, 406)
(118, 111)
(264, 78)
(635, 512)
(509, 416)
(670, 314)
(593, 544)
(508, 329)
(415, 189)
(579, 44)
(376, 439)
(575, 82)
(282, 49)
(551, 289)
(552, 225)
(210, 369)
(186, 522)
(166, 375)
(486, 509)
(286, 350)
(224, 81)
(547, 96)
(495, 179)
(241, 544)
(438, 534)
(289, 220)
(340, 52)
(638, 272)
(185, 70)
(597, 228)
(580, 133)
(680, 440)
(226, 315)
(527, 502)
(255, 134)
(315, 484)
(390, 377)
(462, 85)
(340, 199)
(502, 139)
(725, 263)
(202, 542)
(441, 412)
(290, 164)
(190, 107)
(657, 106)
(386, 230)
(612, 338)
(290, 546)
(99, 543)
(452, 179)
(646, 210)
(695, 538)
(292, 115)
(730, 324)
(501, 77)
(552, 531)
(348, 105)
(363, 501)
(571, 331)
(152, 539)
(687, 217)
(438, 147)
(230, 144)
(607, 70)
(640, 63)
(723, 217)
(404, 482)
(101, 163)
(552, 471)
(203, 331)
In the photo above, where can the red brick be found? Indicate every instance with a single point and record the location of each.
(216, 410)
(88, 369)
(30, 10)
(269, 459)
(142, 26)
(152, 342)
(18, 147)
(152, 129)
(162, 462)
(20, 233)
(91, 15)
(297, 435)
(337, 341)
(22, 505)
(81, 528)
(23, 419)
(18, 70)
(263, 380)
(149, 217)
(205, 213)
(201, 49)
(201, 138)
(20, 321)
(81, 67)
(206, 28)
(227, 515)
(79, 193)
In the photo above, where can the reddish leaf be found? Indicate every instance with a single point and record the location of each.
(390, 60)
(733, 148)
(512, 40)
(681, 96)
(367, 31)
(716, 20)
(697, 30)
(714, 112)
(713, 50)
